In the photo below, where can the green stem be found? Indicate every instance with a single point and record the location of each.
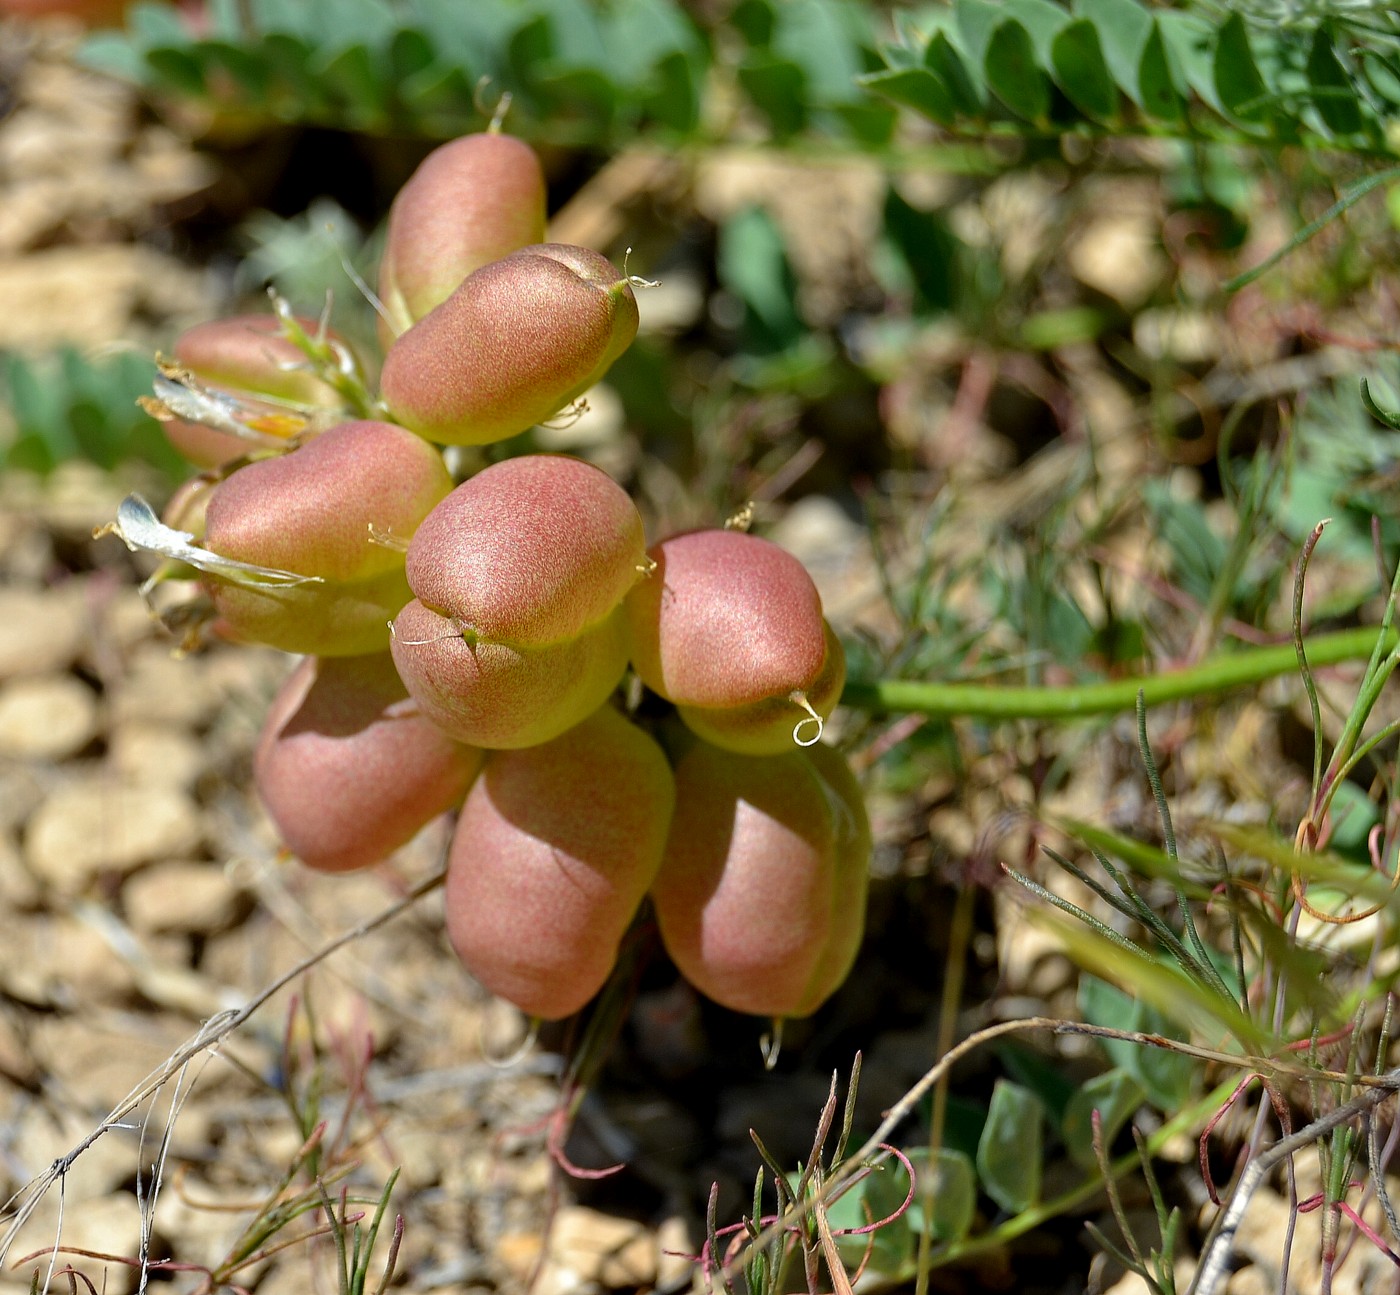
(1072, 701)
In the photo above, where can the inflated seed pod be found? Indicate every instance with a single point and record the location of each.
(337, 511)
(516, 342)
(774, 724)
(347, 767)
(246, 354)
(555, 847)
(515, 632)
(471, 201)
(761, 895)
(728, 621)
(500, 695)
(530, 551)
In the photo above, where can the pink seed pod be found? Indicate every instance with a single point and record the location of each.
(729, 621)
(515, 343)
(497, 695)
(530, 551)
(773, 725)
(554, 850)
(246, 354)
(339, 510)
(470, 202)
(347, 768)
(761, 895)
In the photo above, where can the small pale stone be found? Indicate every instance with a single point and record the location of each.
(613, 1252)
(160, 689)
(40, 630)
(19, 888)
(1186, 336)
(100, 824)
(21, 790)
(46, 718)
(155, 755)
(182, 898)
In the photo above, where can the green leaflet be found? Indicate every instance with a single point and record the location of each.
(1106, 66)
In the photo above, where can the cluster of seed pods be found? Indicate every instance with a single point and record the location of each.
(464, 642)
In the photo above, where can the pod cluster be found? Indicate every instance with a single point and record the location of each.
(464, 641)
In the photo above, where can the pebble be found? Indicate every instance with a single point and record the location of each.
(49, 717)
(98, 824)
(161, 689)
(41, 630)
(21, 789)
(19, 888)
(155, 755)
(587, 1248)
(182, 899)
(62, 961)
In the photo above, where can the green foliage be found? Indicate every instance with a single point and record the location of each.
(578, 71)
(1115, 67)
(1010, 1154)
(66, 405)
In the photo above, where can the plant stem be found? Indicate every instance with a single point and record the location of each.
(1070, 701)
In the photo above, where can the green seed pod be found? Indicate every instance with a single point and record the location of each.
(761, 894)
(555, 848)
(348, 769)
(470, 202)
(773, 725)
(246, 354)
(337, 511)
(514, 344)
(497, 695)
(730, 622)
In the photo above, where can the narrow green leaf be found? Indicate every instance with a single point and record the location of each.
(1383, 75)
(1123, 27)
(1115, 1095)
(1238, 81)
(1013, 74)
(673, 98)
(812, 35)
(239, 62)
(351, 75)
(976, 21)
(1157, 91)
(753, 265)
(1011, 1150)
(1042, 20)
(1082, 71)
(288, 58)
(1167, 989)
(964, 88)
(776, 88)
(179, 69)
(915, 88)
(411, 53)
(1189, 44)
(1333, 94)
(928, 249)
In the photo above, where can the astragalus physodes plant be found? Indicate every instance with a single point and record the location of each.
(465, 639)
